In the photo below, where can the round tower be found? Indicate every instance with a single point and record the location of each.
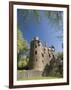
(36, 60)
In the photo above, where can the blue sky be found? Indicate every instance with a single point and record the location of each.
(46, 29)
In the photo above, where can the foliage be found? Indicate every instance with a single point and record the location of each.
(54, 16)
(55, 68)
(21, 43)
(22, 63)
(60, 55)
(21, 47)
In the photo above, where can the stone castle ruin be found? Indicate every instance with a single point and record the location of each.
(40, 55)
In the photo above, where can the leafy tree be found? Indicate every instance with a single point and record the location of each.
(21, 45)
(60, 55)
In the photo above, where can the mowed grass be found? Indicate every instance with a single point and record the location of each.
(36, 78)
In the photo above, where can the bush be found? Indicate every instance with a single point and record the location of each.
(22, 63)
(55, 68)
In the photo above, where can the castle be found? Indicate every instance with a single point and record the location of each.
(40, 55)
(40, 58)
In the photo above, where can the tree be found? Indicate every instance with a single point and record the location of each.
(55, 68)
(21, 45)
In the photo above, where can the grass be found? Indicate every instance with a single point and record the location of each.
(35, 78)
(38, 78)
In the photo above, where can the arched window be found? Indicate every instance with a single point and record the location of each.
(35, 52)
(42, 54)
(49, 55)
(38, 43)
(35, 46)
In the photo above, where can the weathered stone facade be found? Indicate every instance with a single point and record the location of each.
(40, 55)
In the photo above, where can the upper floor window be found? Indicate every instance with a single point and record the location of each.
(42, 54)
(38, 43)
(35, 46)
(35, 52)
(49, 55)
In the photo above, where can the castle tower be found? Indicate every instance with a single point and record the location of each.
(36, 61)
(40, 55)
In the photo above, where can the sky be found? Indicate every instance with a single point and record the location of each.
(43, 27)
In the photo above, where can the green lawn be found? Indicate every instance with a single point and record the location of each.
(34, 78)
(38, 78)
